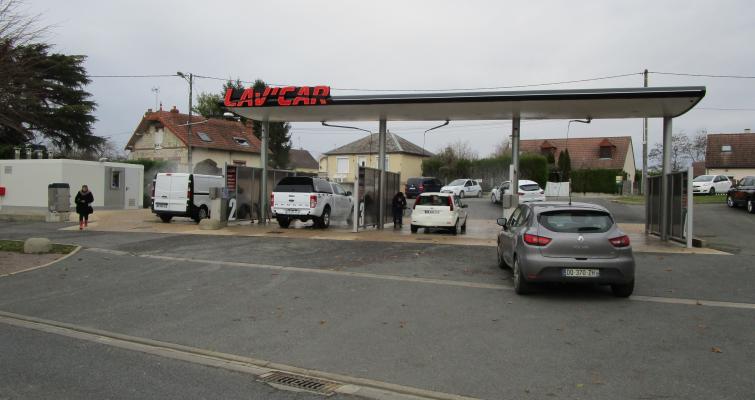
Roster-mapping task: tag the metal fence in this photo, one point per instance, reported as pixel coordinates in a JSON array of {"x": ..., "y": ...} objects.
[
  {"x": 369, "y": 202},
  {"x": 243, "y": 186},
  {"x": 678, "y": 207}
]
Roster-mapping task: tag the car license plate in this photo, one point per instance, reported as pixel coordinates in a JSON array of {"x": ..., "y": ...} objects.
[
  {"x": 432, "y": 211},
  {"x": 580, "y": 272},
  {"x": 161, "y": 204}
]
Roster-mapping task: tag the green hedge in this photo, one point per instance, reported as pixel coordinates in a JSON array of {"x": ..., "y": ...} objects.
[
  {"x": 595, "y": 180},
  {"x": 534, "y": 167}
]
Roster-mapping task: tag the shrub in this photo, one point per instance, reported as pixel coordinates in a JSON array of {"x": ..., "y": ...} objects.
[{"x": 595, "y": 180}]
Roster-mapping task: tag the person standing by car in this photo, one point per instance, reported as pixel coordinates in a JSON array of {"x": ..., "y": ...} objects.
[
  {"x": 398, "y": 205},
  {"x": 84, "y": 199}
]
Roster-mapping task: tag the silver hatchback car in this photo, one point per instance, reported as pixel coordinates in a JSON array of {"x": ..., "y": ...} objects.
[{"x": 562, "y": 242}]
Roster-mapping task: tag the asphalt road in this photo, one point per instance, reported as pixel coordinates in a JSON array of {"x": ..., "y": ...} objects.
[
  {"x": 36, "y": 365},
  {"x": 437, "y": 317}
]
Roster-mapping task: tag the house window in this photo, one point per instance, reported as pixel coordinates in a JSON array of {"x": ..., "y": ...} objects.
[
  {"x": 387, "y": 162},
  {"x": 342, "y": 165},
  {"x": 240, "y": 163},
  {"x": 726, "y": 148},
  {"x": 115, "y": 180},
  {"x": 605, "y": 152},
  {"x": 204, "y": 136},
  {"x": 241, "y": 141}
]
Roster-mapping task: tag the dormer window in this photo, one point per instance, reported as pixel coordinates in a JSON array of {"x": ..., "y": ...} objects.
[
  {"x": 241, "y": 141},
  {"x": 606, "y": 149},
  {"x": 726, "y": 148},
  {"x": 204, "y": 136}
]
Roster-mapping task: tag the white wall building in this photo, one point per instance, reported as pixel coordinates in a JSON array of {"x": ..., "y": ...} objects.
[{"x": 114, "y": 185}]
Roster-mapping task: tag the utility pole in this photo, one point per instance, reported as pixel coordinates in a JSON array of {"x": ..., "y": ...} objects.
[
  {"x": 643, "y": 182},
  {"x": 188, "y": 124},
  {"x": 188, "y": 136}
]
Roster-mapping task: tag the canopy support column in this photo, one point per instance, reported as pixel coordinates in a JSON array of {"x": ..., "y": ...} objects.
[
  {"x": 514, "y": 187},
  {"x": 666, "y": 165},
  {"x": 381, "y": 165},
  {"x": 264, "y": 207}
]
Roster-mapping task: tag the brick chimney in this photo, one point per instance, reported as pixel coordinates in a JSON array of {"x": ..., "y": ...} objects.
[
  {"x": 149, "y": 111},
  {"x": 174, "y": 110}
]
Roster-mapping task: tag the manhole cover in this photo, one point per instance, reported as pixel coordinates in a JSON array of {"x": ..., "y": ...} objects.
[{"x": 300, "y": 382}]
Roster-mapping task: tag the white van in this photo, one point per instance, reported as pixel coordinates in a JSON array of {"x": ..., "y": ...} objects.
[{"x": 183, "y": 195}]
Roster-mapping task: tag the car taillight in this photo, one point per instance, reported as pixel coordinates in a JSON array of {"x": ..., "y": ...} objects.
[
  {"x": 621, "y": 241},
  {"x": 312, "y": 201},
  {"x": 520, "y": 192},
  {"x": 188, "y": 193},
  {"x": 153, "y": 190},
  {"x": 542, "y": 191},
  {"x": 272, "y": 198},
  {"x": 421, "y": 187},
  {"x": 450, "y": 203},
  {"x": 536, "y": 240}
]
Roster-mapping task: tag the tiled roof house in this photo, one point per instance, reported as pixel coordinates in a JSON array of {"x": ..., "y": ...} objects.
[
  {"x": 611, "y": 152},
  {"x": 731, "y": 154},
  {"x": 163, "y": 135}
]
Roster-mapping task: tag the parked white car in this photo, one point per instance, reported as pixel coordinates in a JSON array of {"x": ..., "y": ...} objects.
[
  {"x": 306, "y": 198},
  {"x": 183, "y": 195},
  {"x": 439, "y": 210},
  {"x": 463, "y": 188},
  {"x": 528, "y": 191},
  {"x": 710, "y": 184}
]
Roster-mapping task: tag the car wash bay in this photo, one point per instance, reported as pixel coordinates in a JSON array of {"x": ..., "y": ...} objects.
[{"x": 587, "y": 104}]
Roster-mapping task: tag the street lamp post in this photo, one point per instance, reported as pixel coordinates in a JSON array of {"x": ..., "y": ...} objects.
[{"x": 188, "y": 123}]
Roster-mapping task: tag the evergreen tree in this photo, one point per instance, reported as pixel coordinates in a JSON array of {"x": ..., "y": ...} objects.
[
  {"x": 42, "y": 96},
  {"x": 564, "y": 165}
]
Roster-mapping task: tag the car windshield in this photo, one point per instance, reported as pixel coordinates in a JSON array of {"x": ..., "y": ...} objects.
[
  {"x": 530, "y": 187},
  {"x": 703, "y": 178},
  {"x": 432, "y": 200},
  {"x": 574, "y": 221},
  {"x": 413, "y": 181},
  {"x": 457, "y": 182},
  {"x": 295, "y": 184}
]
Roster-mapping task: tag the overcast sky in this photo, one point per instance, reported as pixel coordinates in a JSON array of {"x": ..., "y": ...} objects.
[{"x": 412, "y": 45}]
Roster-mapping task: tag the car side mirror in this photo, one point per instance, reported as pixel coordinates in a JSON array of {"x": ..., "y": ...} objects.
[
  {"x": 502, "y": 222},
  {"x": 348, "y": 193}
]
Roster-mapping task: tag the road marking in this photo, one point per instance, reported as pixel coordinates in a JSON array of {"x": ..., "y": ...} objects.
[
  {"x": 361, "y": 387},
  {"x": 432, "y": 281},
  {"x": 707, "y": 303}
]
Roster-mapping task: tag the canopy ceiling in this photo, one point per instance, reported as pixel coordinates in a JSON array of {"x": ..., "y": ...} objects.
[{"x": 653, "y": 102}]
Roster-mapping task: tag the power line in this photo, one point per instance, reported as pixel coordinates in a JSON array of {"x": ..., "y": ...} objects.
[
  {"x": 703, "y": 75},
  {"x": 134, "y": 76}
]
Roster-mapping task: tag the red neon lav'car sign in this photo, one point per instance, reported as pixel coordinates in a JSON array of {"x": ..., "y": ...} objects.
[{"x": 277, "y": 96}]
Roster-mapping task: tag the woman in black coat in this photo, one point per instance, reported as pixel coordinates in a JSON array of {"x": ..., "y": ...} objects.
[
  {"x": 398, "y": 205},
  {"x": 84, "y": 199}
]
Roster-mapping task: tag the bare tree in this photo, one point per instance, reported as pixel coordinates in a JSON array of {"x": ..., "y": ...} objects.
[
  {"x": 461, "y": 149},
  {"x": 683, "y": 152},
  {"x": 698, "y": 144},
  {"x": 502, "y": 148}
]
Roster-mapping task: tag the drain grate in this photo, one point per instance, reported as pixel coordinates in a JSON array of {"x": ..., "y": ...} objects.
[{"x": 300, "y": 382}]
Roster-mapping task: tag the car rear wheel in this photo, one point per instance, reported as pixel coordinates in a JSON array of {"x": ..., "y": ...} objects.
[
  {"x": 712, "y": 191},
  {"x": 751, "y": 207},
  {"x": 284, "y": 222},
  {"x": 521, "y": 286},
  {"x": 623, "y": 290},
  {"x": 464, "y": 227},
  {"x": 324, "y": 221},
  {"x": 461, "y": 194},
  {"x": 455, "y": 228},
  {"x": 166, "y": 218},
  {"x": 492, "y": 198},
  {"x": 414, "y": 228},
  {"x": 350, "y": 218},
  {"x": 730, "y": 201}
]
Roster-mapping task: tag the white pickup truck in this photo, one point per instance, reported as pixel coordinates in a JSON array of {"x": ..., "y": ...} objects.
[{"x": 306, "y": 198}]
